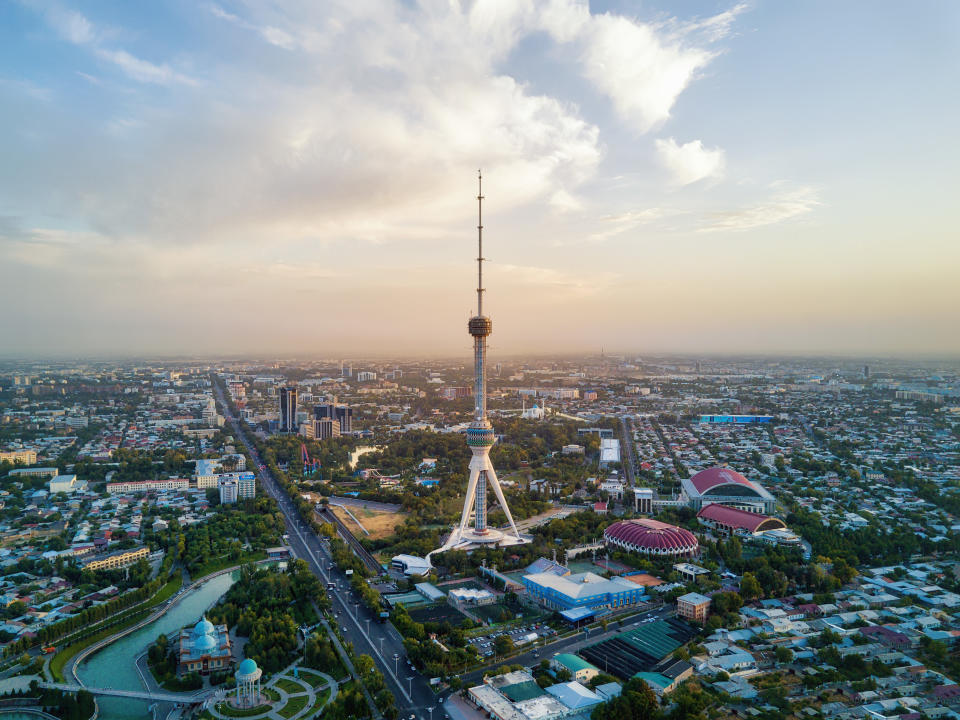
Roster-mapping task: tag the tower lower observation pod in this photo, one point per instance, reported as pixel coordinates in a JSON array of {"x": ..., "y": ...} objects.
[{"x": 480, "y": 437}]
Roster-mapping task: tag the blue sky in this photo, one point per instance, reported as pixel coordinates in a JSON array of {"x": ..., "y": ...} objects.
[{"x": 298, "y": 176}]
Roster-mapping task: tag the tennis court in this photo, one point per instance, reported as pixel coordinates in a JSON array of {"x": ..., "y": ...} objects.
[
  {"x": 441, "y": 612},
  {"x": 613, "y": 566}
]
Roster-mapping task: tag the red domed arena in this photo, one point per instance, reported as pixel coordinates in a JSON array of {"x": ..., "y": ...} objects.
[{"x": 652, "y": 537}]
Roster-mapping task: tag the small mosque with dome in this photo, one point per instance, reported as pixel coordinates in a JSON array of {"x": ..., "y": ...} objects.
[{"x": 204, "y": 648}]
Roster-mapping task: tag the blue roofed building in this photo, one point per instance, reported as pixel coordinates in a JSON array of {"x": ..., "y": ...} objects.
[
  {"x": 574, "y": 695},
  {"x": 204, "y": 647},
  {"x": 583, "y": 590}
]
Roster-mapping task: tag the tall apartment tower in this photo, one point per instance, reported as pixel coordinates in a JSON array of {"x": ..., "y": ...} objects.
[{"x": 288, "y": 409}]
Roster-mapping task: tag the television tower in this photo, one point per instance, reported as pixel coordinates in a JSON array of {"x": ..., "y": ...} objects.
[{"x": 480, "y": 435}]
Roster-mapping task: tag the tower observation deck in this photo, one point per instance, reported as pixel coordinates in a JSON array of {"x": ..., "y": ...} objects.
[{"x": 480, "y": 435}]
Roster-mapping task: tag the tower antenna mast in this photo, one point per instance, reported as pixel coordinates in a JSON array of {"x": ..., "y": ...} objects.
[{"x": 480, "y": 257}]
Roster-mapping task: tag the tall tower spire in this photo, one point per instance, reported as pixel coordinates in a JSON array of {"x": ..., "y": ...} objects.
[
  {"x": 480, "y": 257},
  {"x": 480, "y": 435}
]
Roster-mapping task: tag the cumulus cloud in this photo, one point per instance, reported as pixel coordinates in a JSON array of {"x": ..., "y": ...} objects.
[
  {"x": 691, "y": 161},
  {"x": 642, "y": 67},
  {"x": 781, "y": 206}
]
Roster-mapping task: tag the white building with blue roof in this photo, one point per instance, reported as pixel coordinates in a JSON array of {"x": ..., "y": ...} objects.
[{"x": 204, "y": 647}]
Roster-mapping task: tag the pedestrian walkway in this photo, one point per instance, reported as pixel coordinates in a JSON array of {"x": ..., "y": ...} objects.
[{"x": 297, "y": 697}]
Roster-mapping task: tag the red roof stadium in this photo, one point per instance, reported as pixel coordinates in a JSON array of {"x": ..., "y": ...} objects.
[
  {"x": 651, "y": 537},
  {"x": 716, "y": 476},
  {"x": 730, "y": 518}
]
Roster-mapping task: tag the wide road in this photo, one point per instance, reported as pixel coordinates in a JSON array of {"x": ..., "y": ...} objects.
[
  {"x": 358, "y": 625},
  {"x": 628, "y": 451}
]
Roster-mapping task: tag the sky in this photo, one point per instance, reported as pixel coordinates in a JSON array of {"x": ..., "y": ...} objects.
[{"x": 300, "y": 177}]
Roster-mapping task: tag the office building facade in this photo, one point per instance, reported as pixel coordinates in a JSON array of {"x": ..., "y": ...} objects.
[
  {"x": 343, "y": 414},
  {"x": 288, "y": 409}
]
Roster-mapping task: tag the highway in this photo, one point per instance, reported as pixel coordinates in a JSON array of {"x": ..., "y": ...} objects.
[
  {"x": 358, "y": 625},
  {"x": 628, "y": 450}
]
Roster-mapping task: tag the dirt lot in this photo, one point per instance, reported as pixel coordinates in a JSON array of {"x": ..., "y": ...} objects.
[{"x": 378, "y": 524}]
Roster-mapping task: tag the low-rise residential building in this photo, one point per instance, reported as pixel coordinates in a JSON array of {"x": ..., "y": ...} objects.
[
  {"x": 579, "y": 668},
  {"x": 693, "y": 606},
  {"x": 115, "y": 560},
  {"x": 144, "y": 486}
]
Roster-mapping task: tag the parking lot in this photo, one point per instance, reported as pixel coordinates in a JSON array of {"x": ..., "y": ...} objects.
[{"x": 525, "y": 635}]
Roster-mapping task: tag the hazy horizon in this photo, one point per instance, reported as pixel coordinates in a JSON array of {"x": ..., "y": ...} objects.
[{"x": 279, "y": 179}]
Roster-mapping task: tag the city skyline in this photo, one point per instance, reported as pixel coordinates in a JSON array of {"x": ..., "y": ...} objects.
[{"x": 736, "y": 179}]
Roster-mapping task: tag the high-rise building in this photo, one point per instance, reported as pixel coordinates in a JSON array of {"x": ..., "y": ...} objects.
[
  {"x": 480, "y": 437},
  {"x": 236, "y": 486},
  {"x": 229, "y": 490},
  {"x": 866, "y": 371},
  {"x": 209, "y": 413},
  {"x": 325, "y": 428},
  {"x": 341, "y": 413},
  {"x": 288, "y": 409},
  {"x": 246, "y": 485}
]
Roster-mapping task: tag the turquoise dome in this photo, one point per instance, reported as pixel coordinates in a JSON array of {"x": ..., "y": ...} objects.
[
  {"x": 204, "y": 644},
  {"x": 204, "y": 627},
  {"x": 247, "y": 667}
]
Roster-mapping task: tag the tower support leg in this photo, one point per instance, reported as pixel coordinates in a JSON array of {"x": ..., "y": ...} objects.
[{"x": 492, "y": 476}]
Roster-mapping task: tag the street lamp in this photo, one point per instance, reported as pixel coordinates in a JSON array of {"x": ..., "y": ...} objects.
[
  {"x": 396, "y": 663},
  {"x": 368, "y": 626},
  {"x": 430, "y": 710},
  {"x": 410, "y": 685},
  {"x": 381, "y": 647}
]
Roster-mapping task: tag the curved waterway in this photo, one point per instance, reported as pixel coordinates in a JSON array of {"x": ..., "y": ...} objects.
[{"x": 115, "y": 665}]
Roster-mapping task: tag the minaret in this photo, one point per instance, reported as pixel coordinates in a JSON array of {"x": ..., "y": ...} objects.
[{"x": 480, "y": 435}]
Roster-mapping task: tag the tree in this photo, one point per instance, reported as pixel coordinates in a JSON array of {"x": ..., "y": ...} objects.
[
  {"x": 733, "y": 550},
  {"x": 364, "y": 665},
  {"x": 503, "y": 645},
  {"x": 749, "y": 587},
  {"x": 635, "y": 702},
  {"x": 783, "y": 654}
]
